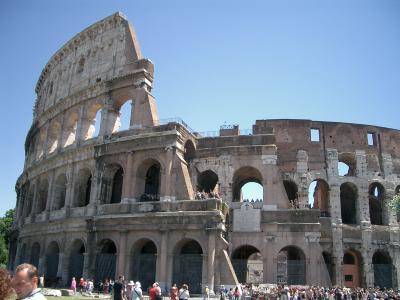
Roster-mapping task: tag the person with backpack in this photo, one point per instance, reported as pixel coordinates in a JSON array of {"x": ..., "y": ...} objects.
[{"x": 184, "y": 292}]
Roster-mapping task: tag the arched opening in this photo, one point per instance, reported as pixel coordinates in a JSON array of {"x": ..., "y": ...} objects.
[
  {"x": 328, "y": 265},
  {"x": 117, "y": 183},
  {"x": 144, "y": 262},
  {"x": 124, "y": 119},
  {"x": 52, "y": 260},
  {"x": 346, "y": 164},
  {"x": 35, "y": 255},
  {"x": 348, "y": 203},
  {"x": 291, "y": 266},
  {"x": 383, "y": 269},
  {"x": 53, "y": 135},
  {"x": 248, "y": 265},
  {"x": 92, "y": 122},
  {"x": 42, "y": 195},
  {"x": 244, "y": 176},
  {"x": 71, "y": 124},
  {"x": 351, "y": 269},
  {"x": 106, "y": 260},
  {"x": 152, "y": 183},
  {"x": 76, "y": 260},
  {"x": 82, "y": 188},
  {"x": 318, "y": 196},
  {"x": 207, "y": 181},
  {"x": 187, "y": 265},
  {"x": 292, "y": 193},
  {"x": 343, "y": 169},
  {"x": 189, "y": 152},
  {"x": 60, "y": 190},
  {"x": 376, "y": 197}
]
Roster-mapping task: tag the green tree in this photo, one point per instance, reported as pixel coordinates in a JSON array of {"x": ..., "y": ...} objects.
[
  {"x": 394, "y": 204},
  {"x": 5, "y": 232}
]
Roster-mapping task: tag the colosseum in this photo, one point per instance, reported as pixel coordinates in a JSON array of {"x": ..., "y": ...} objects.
[{"x": 160, "y": 202}]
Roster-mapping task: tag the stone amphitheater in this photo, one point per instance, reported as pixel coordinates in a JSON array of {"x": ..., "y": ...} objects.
[{"x": 161, "y": 202}]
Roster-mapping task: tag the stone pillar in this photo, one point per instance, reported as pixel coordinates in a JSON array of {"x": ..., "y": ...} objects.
[
  {"x": 80, "y": 135},
  {"x": 162, "y": 255},
  {"x": 35, "y": 198},
  {"x": 144, "y": 110},
  {"x": 211, "y": 260},
  {"x": 46, "y": 139},
  {"x": 387, "y": 164},
  {"x": 337, "y": 234},
  {"x": 302, "y": 171},
  {"x": 69, "y": 193},
  {"x": 363, "y": 205},
  {"x": 121, "y": 253},
  {"x": 85, "y": 273},
  {"x": 366, "y": 234},
  {"x": 166, "y": 176},
  {"x": 270, "y": 261},
  {"x": 126, "y": 186},
  {"x": 109, "y": 117},
  {"x": 60, "y": 143},
  {"x": 62, "y": 270},
  {"x": 50, "y": 192},
  {"x": 314, "y": 259},
  {"x": 361, "y": 164}
]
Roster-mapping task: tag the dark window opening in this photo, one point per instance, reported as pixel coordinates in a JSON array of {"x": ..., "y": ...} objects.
[
  {"x": 371, "y": 137},
  {"x": 87, "y": 191},
  {"x": 348, "y": 198},
  {"x": 348, "y": 277},
  {"x": 152, "y": 184},
  {"x": 291, "y": 192},
  {"x": 117, "y": 186},
  {"x": 207, "y": 181},
  {"x": 348, "y": 259}
]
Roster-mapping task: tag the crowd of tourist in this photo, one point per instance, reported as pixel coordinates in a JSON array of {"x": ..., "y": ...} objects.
[{"x": 281, "y": 292}]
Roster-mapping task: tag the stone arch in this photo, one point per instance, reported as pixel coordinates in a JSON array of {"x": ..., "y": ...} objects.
[
  {"x": 292, "y": 192},
  {"x": 35, "y": 254},
  {"x": 247, "y": 263},
  {"x": 112, "y": 183},
  {"x": 121, "y": 106},
  {"x": 82, "y": 188},
  {"x": 376, "y": 197},
  {"x": 189, "y": 151},
  {"x": 349, "y": 160},
  {"x": 52, "y": 261},
  {"x": 348, "y": 203},
  {"x": 60, "y": 190},
  {"x": 351, "y": 268},
  {"x": 92, "y": 120},
  {"x": 144, "y": 260},
  {"x": 42, "y": 193},
  {"x": 76, "y": 259},
  {"x": 106, "y": 260},
  {"x": 291, "y": 266},
  {"x": 148, "y": 180},
  {"x": 207, "y": 181},
  {"x": 243, "y": 176},
  {"x": 187, "y": 264},
  {"x": 70, "y": 127},
  {"x": 383, "y": 269},
  {"x": 319, "y": 196},
  {"x": 53, "y": 136},
  {"x": 397, "y": 190}
]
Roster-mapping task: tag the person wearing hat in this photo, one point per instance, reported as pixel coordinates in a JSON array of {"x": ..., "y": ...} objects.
[
  {"x": 137, "y": 293},
  {"x": 129, "y": 290}
]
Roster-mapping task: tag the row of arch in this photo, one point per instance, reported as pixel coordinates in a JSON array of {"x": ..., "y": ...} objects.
[
  {"x": 291, "y": 266},
  {"x": 188, "y": 259},
  {"x": 187, "y": 264},
  {"x": 65, "y": 129},
  {"x": 112, "y": 178},
  {"x": 148, "y": 180}
]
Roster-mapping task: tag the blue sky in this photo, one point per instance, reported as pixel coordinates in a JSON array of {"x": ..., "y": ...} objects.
[{"x": 218, "y": 61}]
